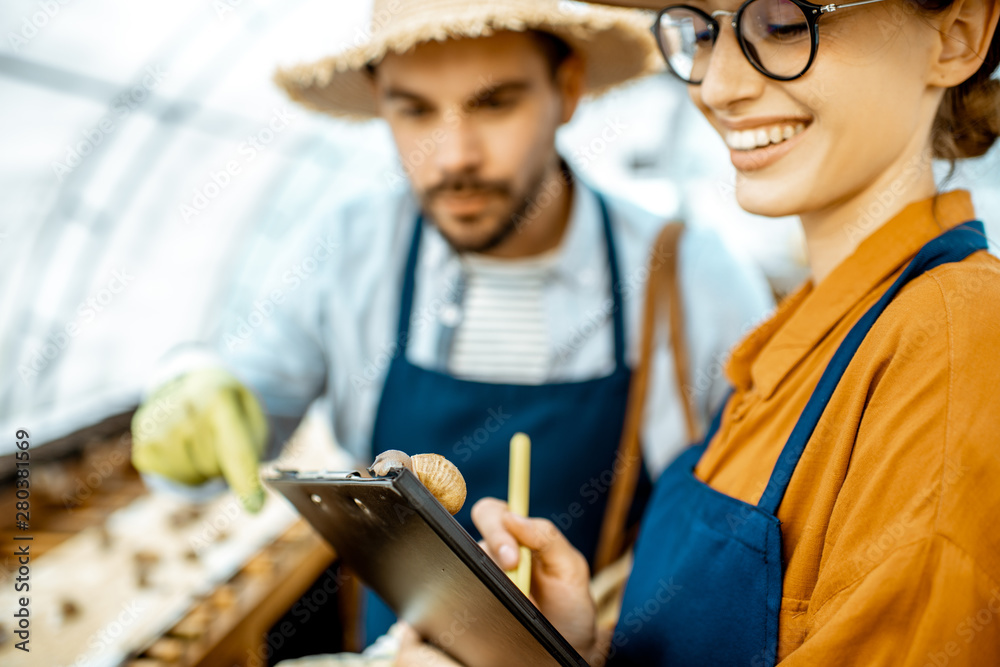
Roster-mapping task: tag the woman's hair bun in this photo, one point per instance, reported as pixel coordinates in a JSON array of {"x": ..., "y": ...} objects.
[{"x": 968, "y": 122}]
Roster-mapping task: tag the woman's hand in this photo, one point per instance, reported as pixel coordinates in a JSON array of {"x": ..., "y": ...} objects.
[
  {"x": 560, "y": 577},
  {"x": 560, "y": 583},
  {"x": 413, "y": 652}
]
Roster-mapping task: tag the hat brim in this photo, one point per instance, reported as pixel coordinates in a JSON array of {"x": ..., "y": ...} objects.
[
  {"x": 615, "y": 45},
  {"x": 634, "y": 4}
]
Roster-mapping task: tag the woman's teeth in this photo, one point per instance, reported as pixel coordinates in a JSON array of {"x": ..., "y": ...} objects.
[{"x": 748, "y": 140}]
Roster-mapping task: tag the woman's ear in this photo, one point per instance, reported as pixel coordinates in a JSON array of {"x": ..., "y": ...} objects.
[
  {"x": 966, "y": 30},
  {"x": 570, "y": 83}
]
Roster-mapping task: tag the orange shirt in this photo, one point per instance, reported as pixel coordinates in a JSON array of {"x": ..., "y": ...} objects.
[{"x": 891, "y": 521}]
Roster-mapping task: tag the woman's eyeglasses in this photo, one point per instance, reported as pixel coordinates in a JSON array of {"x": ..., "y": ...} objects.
[{"x": 778, "y": 37}]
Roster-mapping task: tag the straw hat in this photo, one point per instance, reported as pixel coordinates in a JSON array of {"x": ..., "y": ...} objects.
[
  {"x": 637, "y": 4},
  {"x": 615, "y": 44}
]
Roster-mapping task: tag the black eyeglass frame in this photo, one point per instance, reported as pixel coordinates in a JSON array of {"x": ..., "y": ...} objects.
[{"x": 809, "y": 10}]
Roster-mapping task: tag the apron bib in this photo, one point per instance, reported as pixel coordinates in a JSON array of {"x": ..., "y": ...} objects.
[
  {"x": 707, "y": 581},
  {"x": 575, "y": 428}
]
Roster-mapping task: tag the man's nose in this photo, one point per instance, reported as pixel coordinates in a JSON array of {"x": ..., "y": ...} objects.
[{"x": 460, "y": 147}]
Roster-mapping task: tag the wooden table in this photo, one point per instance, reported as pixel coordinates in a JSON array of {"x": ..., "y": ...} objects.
[{"x": 120, "y": 576}]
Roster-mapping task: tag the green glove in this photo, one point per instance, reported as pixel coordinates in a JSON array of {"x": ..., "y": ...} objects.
[{"x": 200, "y": 426}]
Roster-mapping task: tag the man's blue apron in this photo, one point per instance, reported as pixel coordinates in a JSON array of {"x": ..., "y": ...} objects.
[
  {"x": 575, "y": 428},
  {"x": 706, "y": 585}
]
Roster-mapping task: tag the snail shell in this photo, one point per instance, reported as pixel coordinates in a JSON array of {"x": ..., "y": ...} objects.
[{"x": 441, "y": 477}]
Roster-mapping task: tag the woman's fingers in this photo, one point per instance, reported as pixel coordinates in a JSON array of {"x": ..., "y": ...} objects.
[
  {"x": 413, "y": 652},
  {"x": 501, "y": 545},
  {"x": 560, "y": 574},
  {"x": 555, "y": 555},
  {"x": 503, "y": 532}
]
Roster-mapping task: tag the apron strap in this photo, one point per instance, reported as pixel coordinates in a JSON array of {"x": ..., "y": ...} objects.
[
  {"x": 616, "y": 284},
  {"x": 671, "y": 279},
  {"x": 406, "y": 299},
  {"x": 953, "y": 246}
]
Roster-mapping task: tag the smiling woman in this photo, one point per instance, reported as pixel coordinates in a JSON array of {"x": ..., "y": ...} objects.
[
  {"x": 872, "y": 64},
  {"x": 840, "y": 509}
]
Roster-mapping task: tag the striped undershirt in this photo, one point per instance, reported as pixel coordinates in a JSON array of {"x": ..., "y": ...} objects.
[{"x": 503, "y": 336}]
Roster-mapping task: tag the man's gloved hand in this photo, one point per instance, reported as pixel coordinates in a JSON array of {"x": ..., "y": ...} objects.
[{"x": 203, "y": 425}]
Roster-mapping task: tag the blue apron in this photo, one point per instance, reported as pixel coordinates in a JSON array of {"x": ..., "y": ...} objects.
[
  {"x": 706, "y": 585},
  {"x": 575, "y": 428}
]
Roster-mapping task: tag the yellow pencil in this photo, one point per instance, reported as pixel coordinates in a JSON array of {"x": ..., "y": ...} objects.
[{"x": 518, "y": 488}]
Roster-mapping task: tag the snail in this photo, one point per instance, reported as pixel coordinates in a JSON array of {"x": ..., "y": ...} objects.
[
  {"x": 144, "y": 563},
  {"x": 441, "y": 477},
  {"x": 69, "y": 610}
]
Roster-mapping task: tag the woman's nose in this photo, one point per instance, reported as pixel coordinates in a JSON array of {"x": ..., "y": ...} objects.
[{"x": 730, "y": 77}]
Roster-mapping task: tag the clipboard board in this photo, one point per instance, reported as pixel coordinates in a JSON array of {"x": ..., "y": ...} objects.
[{"x": 406, "y": 547}]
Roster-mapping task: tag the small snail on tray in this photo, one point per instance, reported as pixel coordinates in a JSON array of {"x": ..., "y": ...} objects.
[{"x": 441, "y": 477}]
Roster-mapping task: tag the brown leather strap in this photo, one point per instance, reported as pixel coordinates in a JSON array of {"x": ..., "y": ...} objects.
[
  {"x": 671, "y": 289},
  {"x": 662, "y": 289}
]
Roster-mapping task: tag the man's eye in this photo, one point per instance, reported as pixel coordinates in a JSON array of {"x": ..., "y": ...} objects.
[
  {"x": 497, "y": 103},
  {"x": 414, "y": 112}
]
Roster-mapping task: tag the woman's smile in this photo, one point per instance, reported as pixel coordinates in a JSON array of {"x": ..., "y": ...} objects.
[
  {"x": 758, "y": 143},
  {"x": 763, "y": 136}
]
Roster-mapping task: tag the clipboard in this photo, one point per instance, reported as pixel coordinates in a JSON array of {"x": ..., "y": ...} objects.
[{"x": 405, "y": 546}]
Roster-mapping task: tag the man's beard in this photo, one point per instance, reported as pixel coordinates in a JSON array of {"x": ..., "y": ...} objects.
[{"x": 510, "y": 220}]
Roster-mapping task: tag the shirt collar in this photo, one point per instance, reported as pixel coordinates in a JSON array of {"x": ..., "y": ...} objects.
[
  {"x": 582, "y": 249},
  {"x": 805, "y": 318}
]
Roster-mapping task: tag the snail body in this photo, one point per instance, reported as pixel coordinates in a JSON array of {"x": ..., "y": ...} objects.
[
  {"x": 390, "y": 460},
  {"x": 441, "y": 477}
]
